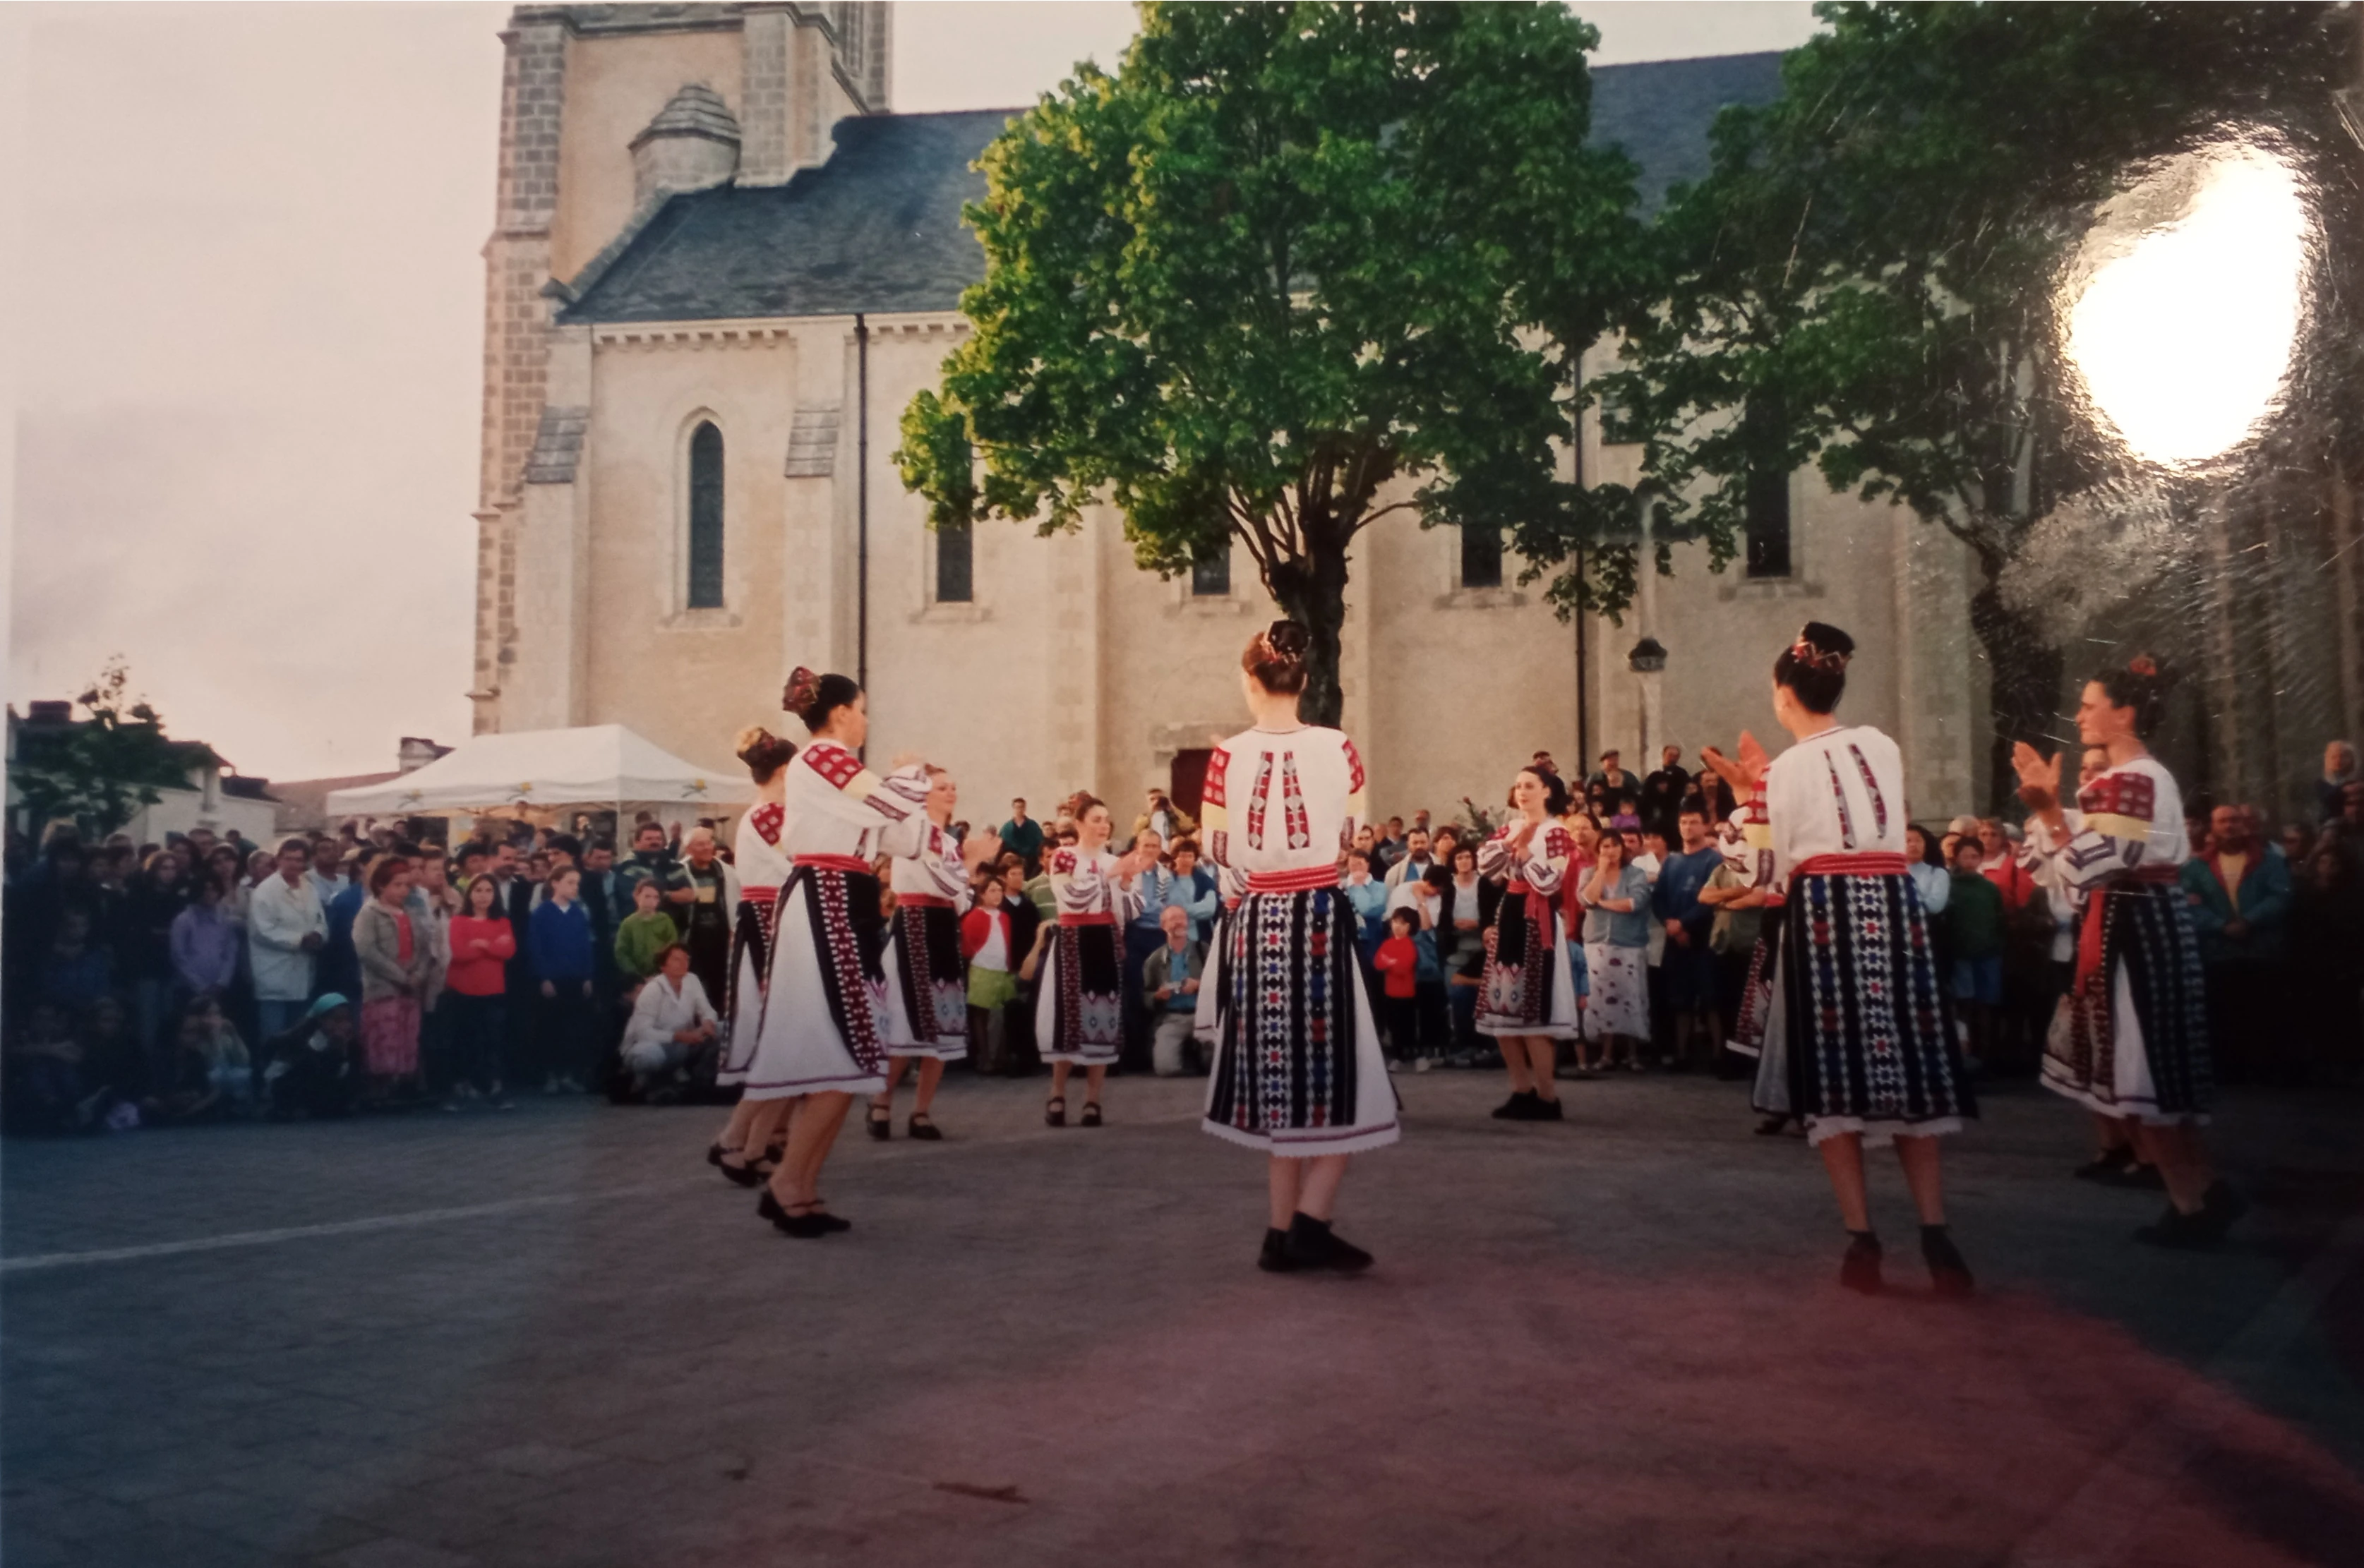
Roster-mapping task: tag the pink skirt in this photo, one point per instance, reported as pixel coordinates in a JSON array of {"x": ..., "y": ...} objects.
[{"x": 390, "y": 1036}]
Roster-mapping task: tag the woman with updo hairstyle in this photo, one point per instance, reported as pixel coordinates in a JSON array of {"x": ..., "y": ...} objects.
[
  {"x": 763, "y": 868},
  {"x": 2130, "y": 1039},
  {"x": 1297, "y": 1070},
  {"x": 1526, "y": 996},
  {"x": 818, "y": 1038},
  {"x": 1858, "y": 1040},
  {"x": 1079, "y": 1009}
]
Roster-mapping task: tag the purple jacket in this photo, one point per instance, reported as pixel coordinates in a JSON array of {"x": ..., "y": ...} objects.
[{"x": 205, "y": 947}]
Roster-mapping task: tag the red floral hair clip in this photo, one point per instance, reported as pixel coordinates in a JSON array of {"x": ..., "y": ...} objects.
[
  {"x": 2142, "y": 664},
  {"x": 1814, "y": 658}
]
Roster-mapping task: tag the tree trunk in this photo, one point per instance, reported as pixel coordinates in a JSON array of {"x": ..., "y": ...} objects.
[
  {"x": 2026, "y": 672},
  {"x": 1311, "y": 591}
]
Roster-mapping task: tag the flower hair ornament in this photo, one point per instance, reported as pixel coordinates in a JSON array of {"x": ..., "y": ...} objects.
[
  {"x": 2143, "y": 664},
  {"x": 1287, "y": 639},
  {"x": 803, "y": 686},
  {"x": 1814, "y": 658}
]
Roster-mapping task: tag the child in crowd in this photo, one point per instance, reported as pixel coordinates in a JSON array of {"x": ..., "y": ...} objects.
[
  {"x": 1398, "y": 961},
  {"x": 1974, "y": 915},
  {"x": 643, "y": 936},
  {"x": 987, "y": 942},
  {"x": 560, "y": 943}
]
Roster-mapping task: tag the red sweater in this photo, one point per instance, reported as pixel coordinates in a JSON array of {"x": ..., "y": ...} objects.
[
  {"x": 976, "y": 929},
  {"x": 1399, "y": 960},
  {"x": 484, "y": 975}
]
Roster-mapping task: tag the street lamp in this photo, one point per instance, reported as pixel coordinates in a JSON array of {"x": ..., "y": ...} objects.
[{"x": 1647, "y": 660}]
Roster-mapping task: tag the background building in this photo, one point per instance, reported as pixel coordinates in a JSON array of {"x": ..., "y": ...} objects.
[{"x": 721, "y": 268}]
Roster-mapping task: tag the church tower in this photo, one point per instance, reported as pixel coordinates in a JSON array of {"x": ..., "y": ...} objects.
[{"x": 607, "y": 111}]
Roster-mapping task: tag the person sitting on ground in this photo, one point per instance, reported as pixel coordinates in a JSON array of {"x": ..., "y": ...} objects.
[
  {"x": 641, "y": 940},
  {"x": 1169, "y": 983},
  {"x": 45, "y": 1084},
  {"x": 210, "y": 1074},
  {"x": 672, "y": 1023},
  {"x": 314, "y": 1069}
]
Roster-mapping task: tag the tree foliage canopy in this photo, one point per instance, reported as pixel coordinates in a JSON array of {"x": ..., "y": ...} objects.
[
  {"x": 1870, "y": 277},
  {"x": 99, "y": 773},
  {"x": 1285, "y": 255}
]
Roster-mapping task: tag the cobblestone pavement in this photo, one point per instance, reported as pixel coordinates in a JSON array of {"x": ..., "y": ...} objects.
[{"x": 558, "y": 1338}]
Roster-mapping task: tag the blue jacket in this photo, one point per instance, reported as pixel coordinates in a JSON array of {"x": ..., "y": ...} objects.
[
  {"x": 1370, "y": 902},
  {"x": 339, "y": 968},
  {"x": 2265, "y": 903},
  {"x": 560, "y": 941}
]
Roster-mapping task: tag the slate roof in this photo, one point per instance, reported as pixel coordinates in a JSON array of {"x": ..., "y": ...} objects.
[{"x": 877, "y": 227}]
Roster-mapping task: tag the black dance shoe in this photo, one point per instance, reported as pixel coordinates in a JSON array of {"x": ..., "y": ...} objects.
[
  {"x": 804, "y": 1227},
  {"x": 880, "y": 1119},
  {"x": 1313, "y": 1245},
  {"x": 1859, "y": 1270},
  {"x": 1517, "y": 1107},
  {"x": 2183, "y": 1232},
  {"x": 1545, "y": 1110},
  {"x": 826, "y": 1220},
  {"x": 1275, "y": 1258},
  {"x": 924, "y": 1128},
  {"x": 1947, "y": 1271},
  {"x": 744, "y": 1175},
  {"x": 2108, "y": 1163}
]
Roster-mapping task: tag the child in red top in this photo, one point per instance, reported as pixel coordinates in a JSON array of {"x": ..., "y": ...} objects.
[
  {"x": 477, "y": 996},
  {"x": 1397, "y": 960}
]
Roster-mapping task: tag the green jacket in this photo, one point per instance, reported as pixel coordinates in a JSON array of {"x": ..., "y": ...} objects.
[{"x": 638, "y": 940}]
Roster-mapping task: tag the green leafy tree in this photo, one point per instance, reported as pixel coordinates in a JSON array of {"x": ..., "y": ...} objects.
[
  {"x": 99, "y": 773},
  {"x": 1293, "y": 268},
  {"x": 1870, "y": 277}
]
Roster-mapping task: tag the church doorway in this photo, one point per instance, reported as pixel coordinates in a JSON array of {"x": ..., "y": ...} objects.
[{"x": 1189, "y": 785}]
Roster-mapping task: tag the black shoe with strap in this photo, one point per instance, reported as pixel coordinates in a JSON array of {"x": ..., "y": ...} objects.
[
  {"x": 804, "y": 1225},
  {"x": 880, "y": 1120},
  {"x": 1091, "y": 1116},
  {"x": 1520, "y": 1106},
  {"x": 1948, "y": 1272},
  {"x": 1275, "y": 1258},
  {"x": 1054, "y": 1113},
  {"x": 1311, "y": 1244},
  {"x": 923, "y": 1128},
  {"x": 1859, "y": 1270}
]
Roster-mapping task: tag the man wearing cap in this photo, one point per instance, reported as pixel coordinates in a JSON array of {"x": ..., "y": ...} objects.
[{"x": 1620, "y": 790}]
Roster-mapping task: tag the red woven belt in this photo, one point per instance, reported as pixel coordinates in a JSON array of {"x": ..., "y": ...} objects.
[
  {"x": 923, "y": 901},
  {"x": 771, "y": 893},
  {"x": 2148, "y": 876},
  {"x": 854, "y": 863},
  {"x": 1850, "y": 865},
  {"x": 1066, "y": 919},
  {"x": 1310, "y": 879}
]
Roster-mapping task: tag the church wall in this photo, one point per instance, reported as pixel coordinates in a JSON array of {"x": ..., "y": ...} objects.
[
  {"x": 615, "y": 86},
  {"x": 686, "y": 679},
  {"x": 1466, "y": 683}
]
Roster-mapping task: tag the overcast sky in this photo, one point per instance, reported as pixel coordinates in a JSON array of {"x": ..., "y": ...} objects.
[{"x": 247, "y": 316}]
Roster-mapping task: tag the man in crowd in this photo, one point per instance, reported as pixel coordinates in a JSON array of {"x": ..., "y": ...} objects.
[
  {"x": 705, "y": 917},
  {"x": 1416, "y": 857},
  {"x": 651, "y": 859},
  {"x": 2338, "y": 773},
  {"x": 2240, "y": 895},
  {"x": 1663, "y": 792},
  {"x": 1616, "y": 786},
  {"x": 1022, "y": 836},
  {"x": 1170, "y": 986},
  {"x": 1389, "y": 848},
  {"x": 326, "y": 873},
  {"x": 1688, "y": 966},
  {"x": 285, "y": 929}
]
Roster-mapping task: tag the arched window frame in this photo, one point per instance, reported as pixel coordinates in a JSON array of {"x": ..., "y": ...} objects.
[{"x": 684, "y": 610}]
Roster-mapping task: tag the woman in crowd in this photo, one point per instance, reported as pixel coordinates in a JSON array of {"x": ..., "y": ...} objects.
[
  {"x": 395, "y": 961},
  {"x": 1079, "y": 1010},
  {"x": 1464, "y": 909},
  {"x": 1859, "y": 1042},
  {"x": 926, "y": 981},
  {"x": 986, "y": 944},
  {"x": 1930, "y": 878},
  {"x": 475, "y": 993},
  {"x": 1616, "y": 901},
  {"x": 1297, "y": 1070},
  {"x": 671, "y": 1022},
  {"x": 817, "y": 1042},
  {"x": 1526, "y": 1000},
  {"x": 2130, "y": 1041},
  {"x": 205, "y": 944}
]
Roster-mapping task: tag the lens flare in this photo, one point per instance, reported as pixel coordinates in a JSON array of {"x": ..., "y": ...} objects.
[{"x": 2184, "y": 328}]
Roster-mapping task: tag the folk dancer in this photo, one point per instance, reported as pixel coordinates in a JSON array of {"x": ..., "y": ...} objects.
[
  {"x": 927, "y": 976},
  {"x": 1079, "y": 1008},
  {"x": 763, "y": 868},
  {"x": 1857, "y": 1041},
  {"x": 819, "y": 1043},
  {"x": 2130, "y": 1041},
  {"x": 1298, "y": 1069}
]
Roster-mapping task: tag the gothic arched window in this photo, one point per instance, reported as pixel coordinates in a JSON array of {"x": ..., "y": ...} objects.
[{"x": 706, "y": 518}]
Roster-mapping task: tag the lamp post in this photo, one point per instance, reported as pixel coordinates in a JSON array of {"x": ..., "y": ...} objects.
[{"x": 1648, "y": 662}]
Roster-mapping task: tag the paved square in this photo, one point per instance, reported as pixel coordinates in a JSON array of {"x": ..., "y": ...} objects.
[{"x": 559, "y": 1339}]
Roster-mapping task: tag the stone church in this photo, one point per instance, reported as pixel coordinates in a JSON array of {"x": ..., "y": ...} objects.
[{"x": 721, "y": 267}]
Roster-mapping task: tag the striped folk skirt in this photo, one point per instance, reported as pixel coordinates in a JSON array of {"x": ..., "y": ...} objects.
[
  {"x": 825, "y": 991},
  {"x": 1756, "y": 992},
  {"x": 1859, "y": 1038},
  {"x": 927, "y": 984},
  {"x": 1298, "y": 1068},
  {"x": 2131, "y": 1037},
  {"x": 742, "y": 1006},
  {"x": 1079, "y": 1008},
  {"x": 1526, "y": 989}
]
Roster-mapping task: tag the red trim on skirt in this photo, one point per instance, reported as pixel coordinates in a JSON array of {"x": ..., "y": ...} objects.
[
  {"x": 1310, "y": 879},
  {"x": 1867, "y": 864},
  {"x": 852, "y": 863}
]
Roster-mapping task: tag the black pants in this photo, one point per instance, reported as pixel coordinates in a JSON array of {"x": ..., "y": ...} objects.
[
  {"x": 568, "y": 1035},
  {"x": 475, "y": 1031},
  {"x": 1401, "y": 1016}
]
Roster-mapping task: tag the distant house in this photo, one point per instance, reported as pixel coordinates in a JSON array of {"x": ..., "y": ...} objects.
[
  {"x": 304, "y": 802},
  {"x": 215, "y": 796}
]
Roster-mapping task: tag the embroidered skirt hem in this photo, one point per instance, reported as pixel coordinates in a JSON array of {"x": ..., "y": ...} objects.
[
  {"x": 1079, "y": 1010},
  {"x": 1878, "y": 1134},
  {"x": 1308, "y": 1144},
  {"x": 819, "y": 1030}
]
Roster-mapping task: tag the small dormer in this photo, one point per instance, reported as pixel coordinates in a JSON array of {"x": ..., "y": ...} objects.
[{"x": 692, "y": 145}]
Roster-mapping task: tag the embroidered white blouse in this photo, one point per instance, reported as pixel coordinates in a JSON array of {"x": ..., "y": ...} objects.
[
  {"x": 1282, "y": 800},
  {"x": 1542, "y": 865},
  {"x": 755, "y": 852},
  {"x": 1085, "y": 884},
  {"x": 1838, "y": 793},
  {"x": 2129, "y": 819},
  {"x": 937, "y": 869},
  {"x": 832, "y": 805}
]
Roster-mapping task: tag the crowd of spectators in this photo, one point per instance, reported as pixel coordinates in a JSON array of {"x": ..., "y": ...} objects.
[{"x": 208, "y": 977}]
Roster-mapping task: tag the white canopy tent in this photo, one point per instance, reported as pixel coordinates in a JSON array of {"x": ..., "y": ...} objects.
[{"x": 603, "y": 766}]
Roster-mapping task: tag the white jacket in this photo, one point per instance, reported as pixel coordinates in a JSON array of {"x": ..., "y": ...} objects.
[
  {"x": 661, "y": 1012},
  {"x": 278, "y": 919}
]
